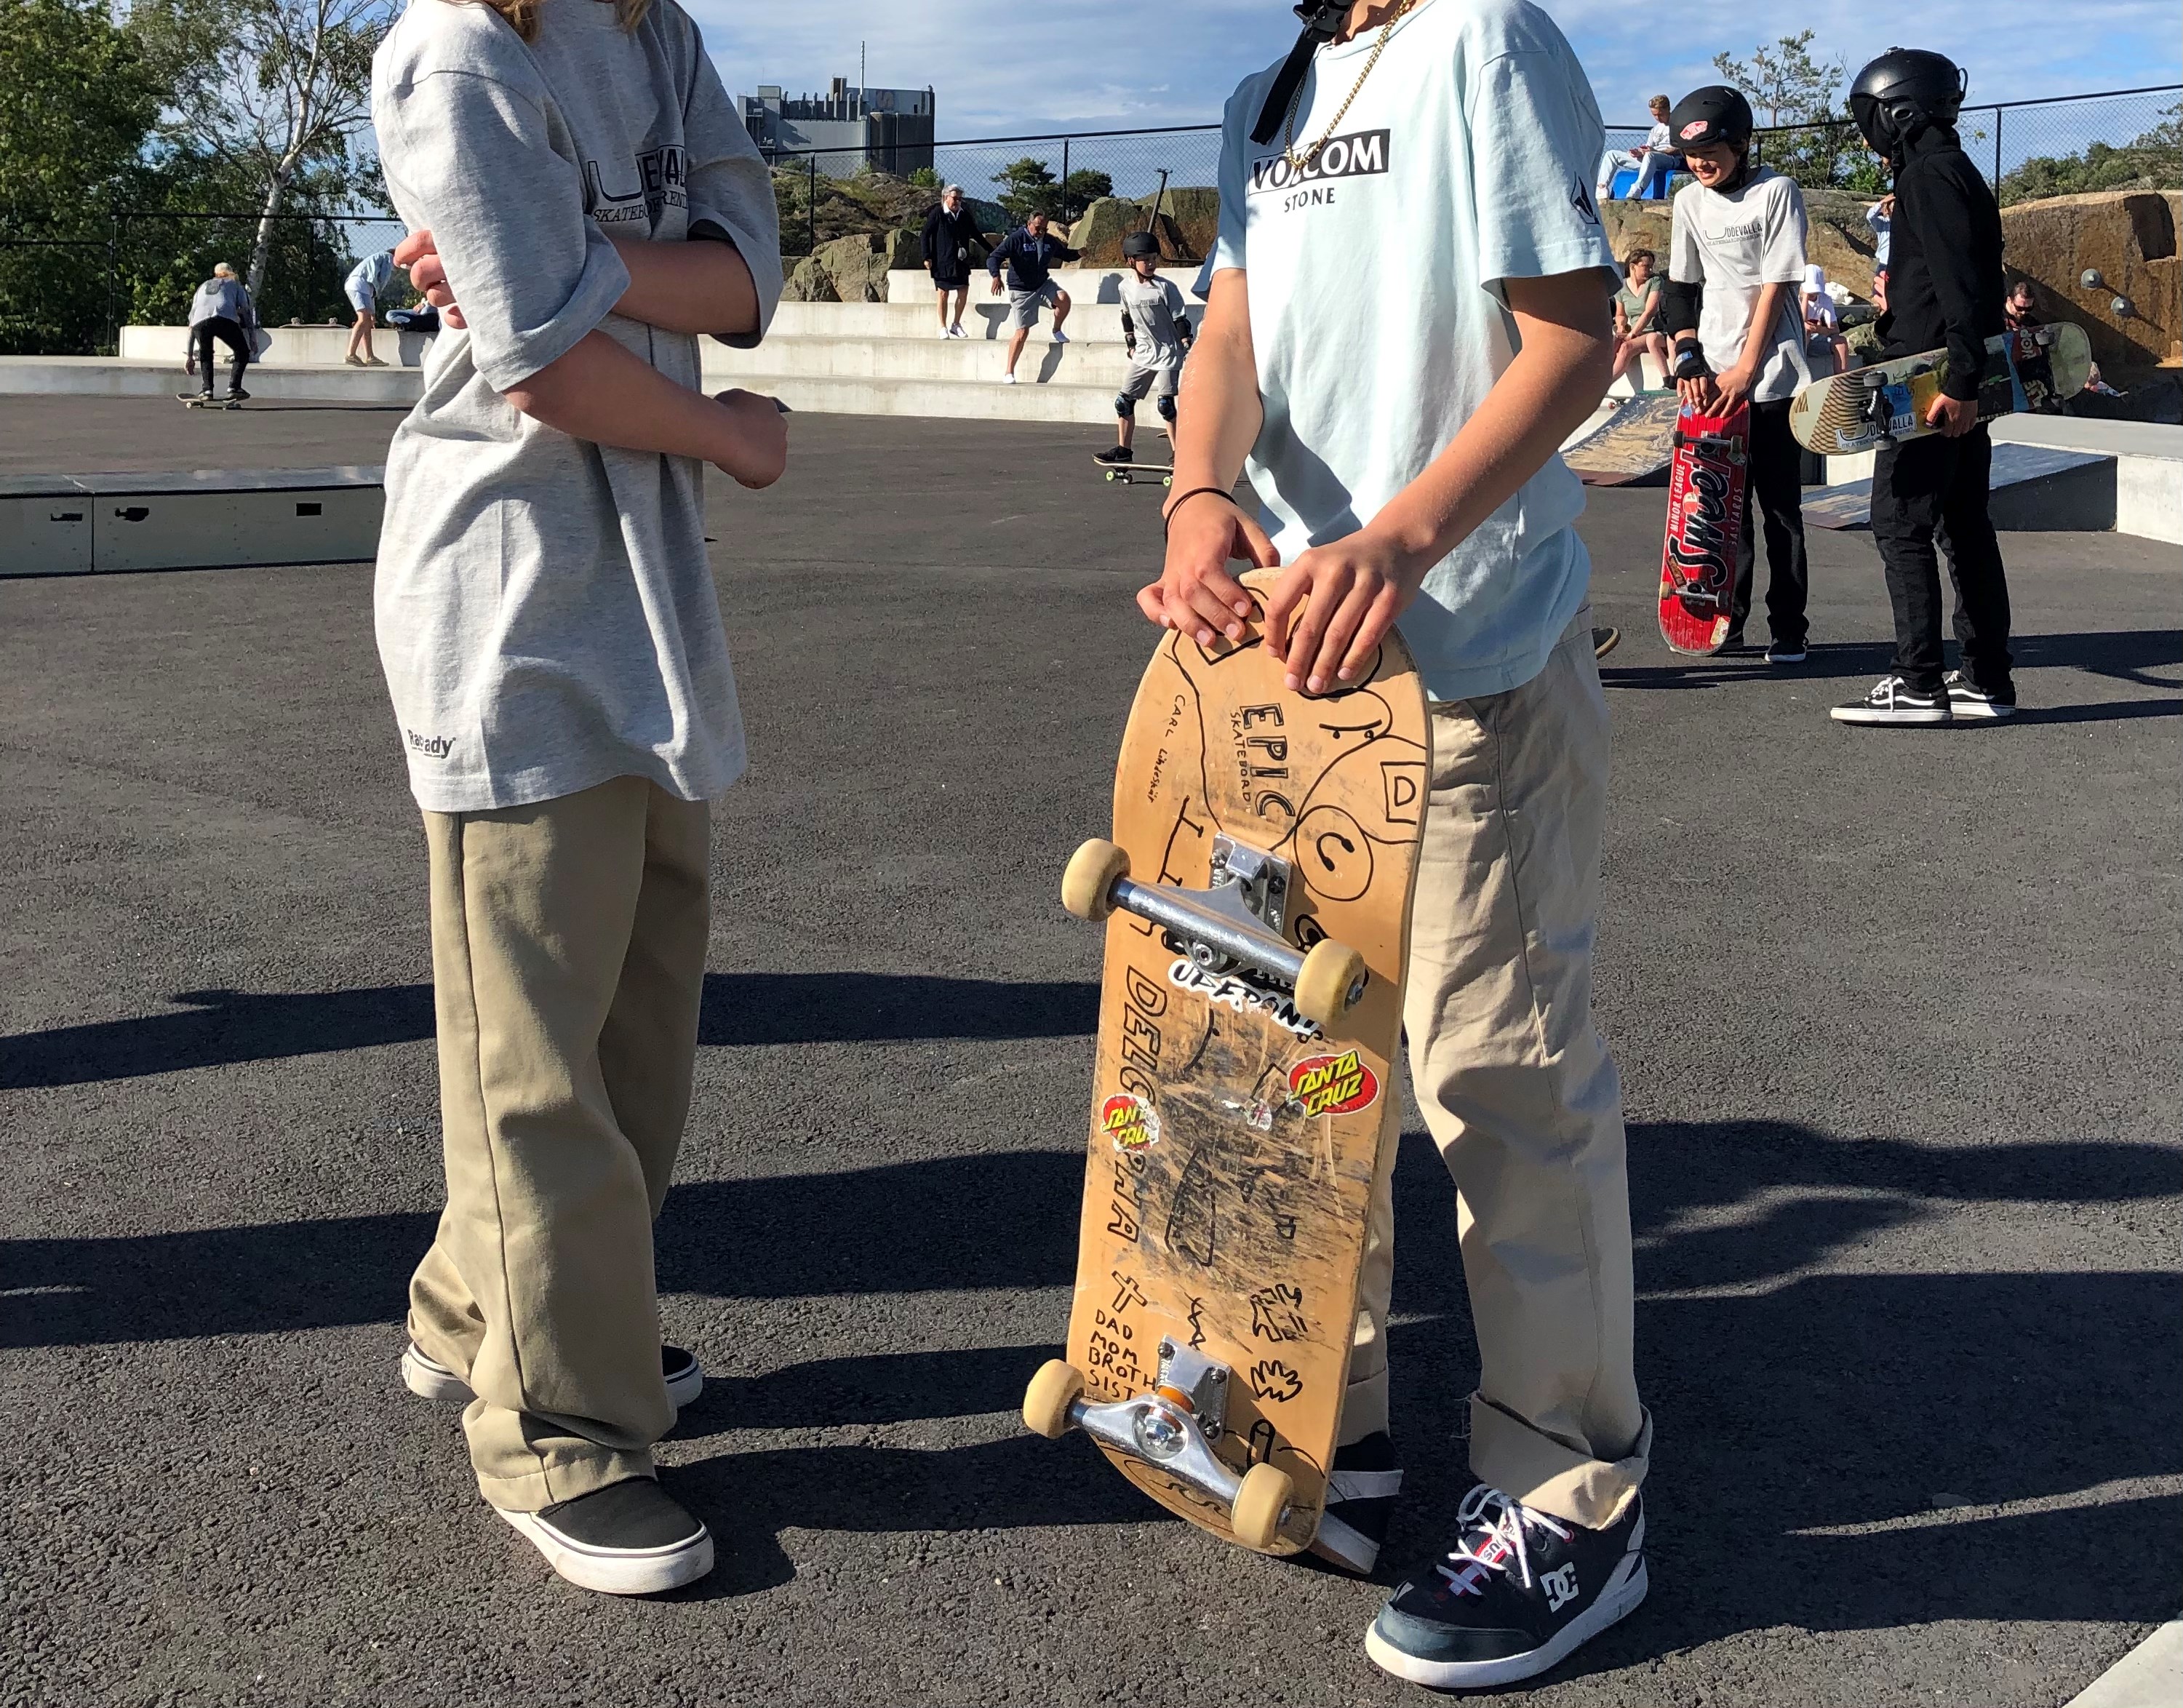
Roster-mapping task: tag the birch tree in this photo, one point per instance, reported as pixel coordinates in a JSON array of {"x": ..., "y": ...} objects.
[{"x": 270, "y": 88}]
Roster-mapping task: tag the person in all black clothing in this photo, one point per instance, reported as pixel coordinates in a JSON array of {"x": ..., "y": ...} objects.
[
  {"x": 951, "y": 233},
  {"x": 1944, "y": 291}
]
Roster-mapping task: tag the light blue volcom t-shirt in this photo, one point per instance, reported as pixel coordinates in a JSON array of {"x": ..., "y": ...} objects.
[{"x": 1467, "y": 157}]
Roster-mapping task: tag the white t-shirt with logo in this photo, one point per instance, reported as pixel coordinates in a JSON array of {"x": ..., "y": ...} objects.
[
  {"x": 1466, "y": 158},
  {"x": 1734, "y": 245}
]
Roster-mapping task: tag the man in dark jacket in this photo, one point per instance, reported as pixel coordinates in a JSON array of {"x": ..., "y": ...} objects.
[
  {"x": 1029, "y": 253},
  {"x": 1944, "y": 291},
  {"x": 951, "y": 233}
]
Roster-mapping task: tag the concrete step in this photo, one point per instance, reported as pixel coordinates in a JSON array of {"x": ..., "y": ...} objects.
[
  {"x": 113, "y": 377},
  {"x": 286, "y": 346},
  {"x": 927, "y": 358},
  {"x": 960, "y": 400}
]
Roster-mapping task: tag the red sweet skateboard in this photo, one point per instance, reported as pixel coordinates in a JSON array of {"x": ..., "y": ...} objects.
[{"x": 1706, "y": 483}]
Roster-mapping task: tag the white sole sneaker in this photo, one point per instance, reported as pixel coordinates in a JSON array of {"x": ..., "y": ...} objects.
[
  {"x": 617, "y": 1570},
  {"x": 1907, "y": 715},
  {"x": 1007, "y": 379},
  {"x": 1616, "y": 1603}
]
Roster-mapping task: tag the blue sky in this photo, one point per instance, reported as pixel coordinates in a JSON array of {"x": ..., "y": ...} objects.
[{"x": 1004, "y": 67}]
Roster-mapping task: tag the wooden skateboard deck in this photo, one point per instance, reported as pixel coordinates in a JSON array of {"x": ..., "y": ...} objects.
[
  {"x": 1707, "y": 480},
  {"x": 1233, "y": 1140},
  {"x": 1135, "y": 474},
  {"x": 2034, "y": 370}
]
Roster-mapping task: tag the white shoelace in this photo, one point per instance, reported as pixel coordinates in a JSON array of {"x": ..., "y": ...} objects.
[{"x": 1489, "y": 1543}]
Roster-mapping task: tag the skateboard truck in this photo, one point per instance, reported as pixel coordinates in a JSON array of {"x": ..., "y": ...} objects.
[
  {"x": 1171, "y": 1428},
  {"x": 1239, "y": 922}
]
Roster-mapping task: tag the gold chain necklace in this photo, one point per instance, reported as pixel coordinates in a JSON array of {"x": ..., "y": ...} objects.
[{"x": 1304, "y": 162}]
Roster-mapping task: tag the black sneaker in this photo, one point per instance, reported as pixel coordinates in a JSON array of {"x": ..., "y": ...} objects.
[
  {"x": 1786, "y": 653},
  {"x": 1360, "y": 1501},
  {"x": 1967, "y": 699},
  {"x": 236, "y": 395},
  {"x": 1519, "y": 1591},
  {"x": 1894, "y": 701},
  {"x": 426, "y": 1377},
  {"x": 630, "y": 1538},
  {"x": 1114, "y": 454}
]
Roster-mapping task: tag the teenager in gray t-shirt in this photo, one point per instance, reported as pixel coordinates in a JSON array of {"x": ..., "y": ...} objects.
[{"x": 583, "y": 204}]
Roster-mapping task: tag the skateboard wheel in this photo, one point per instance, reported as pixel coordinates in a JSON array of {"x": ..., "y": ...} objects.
[
  {"x": 1087, "y": 885},
  {"x": 1256, "y": 1516},
  {"x": 1056, "y": 1387},
  {"x": 1328, "y": 982}
]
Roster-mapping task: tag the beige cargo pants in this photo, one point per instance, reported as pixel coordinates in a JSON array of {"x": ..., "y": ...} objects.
[
  {"x": 1521, "y": 1096},
  {"x": 568, "y": 959}
]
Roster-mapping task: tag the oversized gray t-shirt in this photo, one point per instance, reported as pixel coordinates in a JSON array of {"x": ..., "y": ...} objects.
[
  {"x": 1154, "y": 307},
  {"x": 545, "y": 608}
]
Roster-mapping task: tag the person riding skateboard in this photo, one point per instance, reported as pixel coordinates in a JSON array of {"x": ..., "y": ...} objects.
[
  {"x": 551, "y": 642},
  {"x": 1398, "y": 427},
  {"x": 1156, "y": 330},
  {"x": 1735, "y": 263},
  {"x": 1944, "y": 291},
  {"x": 221, "y": 311},
  {"x": 1028, "y": 255}
]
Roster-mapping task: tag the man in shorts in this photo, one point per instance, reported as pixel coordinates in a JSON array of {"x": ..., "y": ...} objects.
[
  {"x": 366, "y": 284},
  {"x": 1157, "y": 333},
  {"x": 1029, "y": 254}
]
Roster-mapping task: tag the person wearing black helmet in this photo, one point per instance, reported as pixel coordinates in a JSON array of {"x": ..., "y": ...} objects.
[
  {"x": 1736, "y": 261},
  {"x": 1944, "y": 291},
  {"x": 1157, "y": 334}
]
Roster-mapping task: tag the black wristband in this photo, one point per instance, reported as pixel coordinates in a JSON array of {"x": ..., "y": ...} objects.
[
  {"x": 1690, "y": 363},
  {"x": 1167, "y": 516}
]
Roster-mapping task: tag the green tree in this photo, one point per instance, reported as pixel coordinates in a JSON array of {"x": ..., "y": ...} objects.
[
  {"x": 1793, "y": 95},
  {"x": 1027, "y": 187},
  {"x": 2154, "y": 162},
  {"x": 272, "y": 92},
  {"x": 76, "y": 104}
]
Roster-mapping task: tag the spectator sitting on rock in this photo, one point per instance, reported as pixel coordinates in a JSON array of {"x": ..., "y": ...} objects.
[
  {"x": 1029, "y": 253},
  {"x": 1638, "y": 318},
  {"x": 951, "y": 232},
  {"x": 1823, "y": 338},
  {"x": 1652, "y": 158}
]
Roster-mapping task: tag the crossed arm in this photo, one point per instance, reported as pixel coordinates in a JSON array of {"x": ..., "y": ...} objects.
[
  {"x": 1336, "y": 602},
  {"x": 600, "y": 392}
]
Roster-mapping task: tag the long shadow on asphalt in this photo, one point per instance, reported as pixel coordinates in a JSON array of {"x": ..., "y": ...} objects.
[
  {"x": 2127, "y": 655},
  {"x": 222, "y": 1027}
]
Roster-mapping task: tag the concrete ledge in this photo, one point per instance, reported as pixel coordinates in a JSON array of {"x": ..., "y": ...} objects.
[
  {"x": 2148, "y": 465},
  {"x": 285, "y": 347},
  {"x": 189, "y": 519},
  {"x": 115, "y": 377},
  {"x": 960, "y": 400},
  {"x": 2151, "y": 1676}
]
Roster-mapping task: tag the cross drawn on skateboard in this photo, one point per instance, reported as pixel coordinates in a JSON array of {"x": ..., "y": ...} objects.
[
  {"x": 1256, "y": 898},
  {"x": 1706, "y": 477}
]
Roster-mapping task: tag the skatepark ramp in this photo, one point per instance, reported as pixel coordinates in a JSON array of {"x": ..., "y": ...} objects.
[
  {"x": 190, "y": 519},
  {"x": 1627, "y": 445},
  {"x": 2036, "y": 488}
]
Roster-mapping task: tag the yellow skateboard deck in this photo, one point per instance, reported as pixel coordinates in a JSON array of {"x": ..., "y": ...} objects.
[{"x": 1257, "y": 896}]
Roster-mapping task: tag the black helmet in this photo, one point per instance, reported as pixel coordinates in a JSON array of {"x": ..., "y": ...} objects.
[
  {"x": 1141, "y": 245},
  {"x": 1903, "y": 92},
  {"x": 1715, "y": 114}
]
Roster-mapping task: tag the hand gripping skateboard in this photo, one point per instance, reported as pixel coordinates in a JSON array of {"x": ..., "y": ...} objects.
[
  {"x": 1257, "y": 896},
  {"x": 1705, "y": 482},
  {"x": 2030, "y": 371}
]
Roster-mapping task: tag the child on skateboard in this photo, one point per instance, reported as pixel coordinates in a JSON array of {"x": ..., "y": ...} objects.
[
  {"x": 583, "y": 201},
  {"x": 1157, "y": 334},
  {"x": 1944, "y": 291},
  {"x": 1399, "y": 426},
  {"x": 1738, "y": 248}
]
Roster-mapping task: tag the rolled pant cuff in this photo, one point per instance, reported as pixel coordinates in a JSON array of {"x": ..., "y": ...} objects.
[
  {"x": 1542, "y": 1473},
  {"x": 563, "y": 1477},
  {"x": 1363, "y": 1410}
]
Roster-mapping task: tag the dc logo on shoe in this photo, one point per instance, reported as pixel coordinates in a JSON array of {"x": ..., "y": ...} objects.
[{"x": 1560, "y": 1585}]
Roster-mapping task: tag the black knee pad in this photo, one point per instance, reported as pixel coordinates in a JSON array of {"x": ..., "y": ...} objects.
[
  {"x": 1167, "y": 410},
  {"x": 1125, "y": 406}
]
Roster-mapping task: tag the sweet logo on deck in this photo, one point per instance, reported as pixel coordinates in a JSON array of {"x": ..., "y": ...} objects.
[
  {"x": 1361, "y": 154},
  {"x": 1333, "y": 1084},
  {"x": 1130, "y": 1121}
]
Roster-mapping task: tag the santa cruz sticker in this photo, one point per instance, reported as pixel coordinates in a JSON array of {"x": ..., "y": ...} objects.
[
  {"x": 1130, "y": 1121},
  {"x": 1332, "y": 1084}
]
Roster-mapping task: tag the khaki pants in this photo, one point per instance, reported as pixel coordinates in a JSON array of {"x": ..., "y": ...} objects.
[
  {"x": 568, "y": 959},
  {"x": 1521, "y": 1096}
]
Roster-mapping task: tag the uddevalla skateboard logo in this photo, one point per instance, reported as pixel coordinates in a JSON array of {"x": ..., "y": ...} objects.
[
  {"x": 1130, "y": 1121},
  {"x": 1332, "y": 1084}
]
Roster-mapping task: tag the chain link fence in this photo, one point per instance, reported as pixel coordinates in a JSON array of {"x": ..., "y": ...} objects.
[{"x": 69, "y": 291}]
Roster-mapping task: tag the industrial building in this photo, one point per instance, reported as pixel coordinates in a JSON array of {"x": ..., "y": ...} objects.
[{"x": 887, "y": 129}]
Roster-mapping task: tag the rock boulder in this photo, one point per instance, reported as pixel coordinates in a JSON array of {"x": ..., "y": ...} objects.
[
  {"x": 808, "y": 281},
  {"x": 1100, "y": 231},
  {"x": 2128, "y": 237},
  {"x": 857, "y": 265}
]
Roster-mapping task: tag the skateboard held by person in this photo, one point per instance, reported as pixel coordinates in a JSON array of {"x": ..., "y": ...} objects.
[{"x": 1706, "y": 479}]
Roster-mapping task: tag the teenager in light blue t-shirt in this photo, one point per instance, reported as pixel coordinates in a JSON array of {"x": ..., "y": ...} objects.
[{"x": 1398, "y": 423}]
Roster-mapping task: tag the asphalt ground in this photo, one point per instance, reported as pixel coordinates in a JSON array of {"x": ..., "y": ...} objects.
[{"x": 1897, "y": 1012}]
